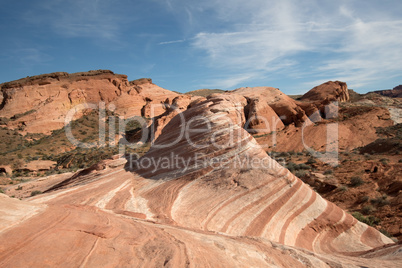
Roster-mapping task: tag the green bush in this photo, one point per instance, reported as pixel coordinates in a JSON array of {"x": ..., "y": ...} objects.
[
  {"x": 294, "y": 167},
  {"x": 367, "y": 210},
  {"x": 380, "y": 201},
  {"x": 364, "y": 199},
  {"x": 356, "y": 181},
  {"x": 369, "y": 220},
  {"x": 385, "y": 232},
  {"x": 300, "y": 173},
  {"x": 311, "y": 160},
  {"x": 328, "y": 172},
  {"x": 384, "y": 161},
  {"x": 33, "y": 193}
]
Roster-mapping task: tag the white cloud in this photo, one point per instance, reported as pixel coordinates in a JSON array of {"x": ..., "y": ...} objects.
[
  {"x": 355, "y": 41},
  {"x": 229, "y": 81},
  {"x": 172, "y": 42}
]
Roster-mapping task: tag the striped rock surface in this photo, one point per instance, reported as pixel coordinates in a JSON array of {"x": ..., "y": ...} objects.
[{"x": 208, "y": 197}]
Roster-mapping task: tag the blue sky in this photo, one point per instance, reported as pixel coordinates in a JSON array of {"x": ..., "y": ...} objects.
[{"x": 185, "y": 45}]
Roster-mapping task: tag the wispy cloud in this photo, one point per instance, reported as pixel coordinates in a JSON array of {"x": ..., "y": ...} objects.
[
  {"x": 74, "y": 18},
  {"x": 27, "y": 57},
  {"x": 172, "y": 42},
  {"x": 228, "y": 81},
  {"x": 355, "y": 41}
]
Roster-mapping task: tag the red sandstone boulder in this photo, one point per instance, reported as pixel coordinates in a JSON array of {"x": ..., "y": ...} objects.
[
  {"x": 285, "y": 107},
  {"x": 261, "y": 118},
  {"x": 329, "y": 91}
]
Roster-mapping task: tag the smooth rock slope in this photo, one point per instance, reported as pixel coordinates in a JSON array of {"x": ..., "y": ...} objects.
[{"x": 206, "y": 196}]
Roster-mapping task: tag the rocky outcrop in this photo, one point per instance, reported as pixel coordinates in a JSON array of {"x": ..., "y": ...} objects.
[
  {"x": 39, "y": 165},
  {"x": 6, "y": 169},
  {"x": 209, "y": 197},
  {"x": 261, "y": 118},
  {"x": 178, "y": 105},
  {"x": 42, "y": 102},
  {"x": 233, "y": 194},
  {"x": 396, "y": 92},
  {"x": 141, "y": 81},
  {"x": 327, "y": 92},
  {"x": 285, "y": 107}
]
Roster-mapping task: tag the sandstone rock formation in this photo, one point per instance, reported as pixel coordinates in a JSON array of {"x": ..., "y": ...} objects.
[
  {"x": 219, "y": 201},
  {"x": 39, "y": 104},
  {"x": 178, "y": 105},
  {"x": 6, "y": 169},
  {"x": 329, "y": 91},
  {"x": 285, "y": 107},
  {"x": 261, "y": 118},
  {"x": 39, "y": 165}
]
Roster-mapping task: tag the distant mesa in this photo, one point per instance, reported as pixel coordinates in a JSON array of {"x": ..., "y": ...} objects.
[{"x": 396, "y": 92}]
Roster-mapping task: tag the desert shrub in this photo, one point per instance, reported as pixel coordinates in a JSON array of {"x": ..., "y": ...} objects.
[
  {"x": 310, "y": 161},
  {"x": 367, "y": 210},
  {"x": 36, "y": 192},
  {"x": 380, "y": 201},
  {"x": 364, "y": 199},
  {"x": 300, "y": 173},
  {"x": 368, "y": 156},
  {"x": 400, "y": 161},
  {"x": 291, "y": 166},
  {"x": 384, "y": 161},
  {"x": 343, "y": 188},
  {"x": 1, "y": 191},
  {"x": 328, "y": 172},
  {"x": 356, "y": 181},
  {"x": 385, "y": 232},
  {"x": 294, "y": 167},
  {"x": 303, "y": 166},
  {"x": 369, "y": 220},
  {"x": 19, "y": 188}
]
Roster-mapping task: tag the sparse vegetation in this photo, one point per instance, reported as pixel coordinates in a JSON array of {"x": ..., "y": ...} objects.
[
  {"x": 328, "y": 172},
  {"x": 384, "y": 161},
  {"x": 343, "y": 188},
  {"x": 356, "y": 181},
  {"x": 369, "y": 220},
  {"x": 33, "y": 193},
  {"x": 385, "y": 232},
  {"x": 380, "y": 201},
  {"x": 310, "y": 161},
  {"x": 366, "y": 210},
  {"x": 300, "y": 173},
  {"x": 364, "y": 199}
]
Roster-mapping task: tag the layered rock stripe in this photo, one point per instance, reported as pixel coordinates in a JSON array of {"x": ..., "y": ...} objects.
[{"x": 201, "y": 216}]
